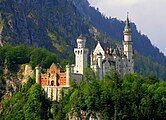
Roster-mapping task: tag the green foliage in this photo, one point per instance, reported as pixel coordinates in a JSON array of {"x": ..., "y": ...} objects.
[
  {"x": 132, "y": 97},
  {"x": 42, "y": 58},
  {"x": 89, "y": 75},
  {"x": 64, "y": 62},
  {"x": 12, "y": 57},
  {"x": 27, "y": 104},
  {"x": 2, "y": 86},
  {"x": 58, "y": 30},
  {"x": 33, "y": 107}
]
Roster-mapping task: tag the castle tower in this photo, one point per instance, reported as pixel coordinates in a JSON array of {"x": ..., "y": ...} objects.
[
  {"x": 68, "y": 75},
  {"x": 127, "y": 45},
  {"x": 81, "y": 55},
  {"x": 38, "y": 74}
]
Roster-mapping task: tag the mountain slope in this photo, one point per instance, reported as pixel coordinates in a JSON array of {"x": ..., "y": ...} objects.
[
  {"x": 114, "y": 28},
  {"x": 55, "y": 25},
  {"x": 42, "y": 23}
]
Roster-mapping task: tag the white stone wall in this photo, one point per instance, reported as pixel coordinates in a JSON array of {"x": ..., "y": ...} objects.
[
  {"x": 53, "y": 92},
  {"x": 81, "y": 56}
]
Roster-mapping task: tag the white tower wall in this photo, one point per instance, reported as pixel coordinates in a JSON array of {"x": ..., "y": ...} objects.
[{"x": 81, "y": 56}]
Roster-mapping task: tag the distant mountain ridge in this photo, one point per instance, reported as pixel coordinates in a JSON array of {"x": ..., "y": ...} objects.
[
  {"x": 55, "y": 25},
  {"x": 114, "y": 28}
]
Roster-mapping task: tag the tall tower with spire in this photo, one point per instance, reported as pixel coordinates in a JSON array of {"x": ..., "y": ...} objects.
[
  {"x": 81, "y": 55},
  {"x": 127, "y": 45}
]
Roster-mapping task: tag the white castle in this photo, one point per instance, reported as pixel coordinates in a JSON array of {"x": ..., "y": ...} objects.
[
  {"x": 121, "y": 58},
  {"x": 101, "y": 62}
]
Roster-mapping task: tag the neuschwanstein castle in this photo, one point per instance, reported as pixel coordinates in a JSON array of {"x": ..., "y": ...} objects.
[{"x": 120, "y": 59}]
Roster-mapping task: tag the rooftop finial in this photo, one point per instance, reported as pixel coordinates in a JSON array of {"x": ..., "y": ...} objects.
[{"x": 81, "y": 37}]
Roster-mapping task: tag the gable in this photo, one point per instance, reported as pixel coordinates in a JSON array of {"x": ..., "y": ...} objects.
[{"x": 98, "y": 49}]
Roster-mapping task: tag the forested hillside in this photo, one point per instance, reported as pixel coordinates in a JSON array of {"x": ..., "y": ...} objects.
[
  {"x": 55, "y": 25},
  {"x": 130, "y": 98}
]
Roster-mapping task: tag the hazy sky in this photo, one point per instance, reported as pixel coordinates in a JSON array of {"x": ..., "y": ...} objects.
[{"x": 148, "y": 15}]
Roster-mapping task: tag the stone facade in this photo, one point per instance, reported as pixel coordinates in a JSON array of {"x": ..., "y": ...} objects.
[
  {"x": 120, "y": 58},
  {"x": 53, "y": 81}
]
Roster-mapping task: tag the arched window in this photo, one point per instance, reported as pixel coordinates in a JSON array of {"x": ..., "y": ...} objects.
[{"x": 52, "y": 83}]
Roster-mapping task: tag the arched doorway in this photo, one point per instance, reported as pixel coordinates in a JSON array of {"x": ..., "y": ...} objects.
[{"x": 52, "y": 83}]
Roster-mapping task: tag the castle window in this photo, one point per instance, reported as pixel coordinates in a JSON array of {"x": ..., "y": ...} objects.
[{"x": 52, "y": 83}]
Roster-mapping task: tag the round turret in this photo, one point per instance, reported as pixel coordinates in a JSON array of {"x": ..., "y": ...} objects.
[
  {"x": 38, "y": 74},
  {"x": 68, "y": 74},
  {"x": 81, "y": 42}
]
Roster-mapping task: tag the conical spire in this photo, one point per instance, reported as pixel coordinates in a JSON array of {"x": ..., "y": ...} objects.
[{"x": 127, "y": 22}]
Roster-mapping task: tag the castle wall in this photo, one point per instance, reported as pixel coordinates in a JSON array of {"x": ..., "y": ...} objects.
[
  {"x": 54, "y": 77},
  {"x": 62, "y": 80},
  {"x": 77, "y": 77},
  {"x": 53, "y": 92},
  {"x": 44, "y": 80},
  {"x": 106, "y": 68}
]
